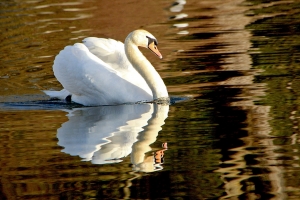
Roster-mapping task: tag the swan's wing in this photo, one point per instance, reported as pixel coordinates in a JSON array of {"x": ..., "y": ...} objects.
[
  {"x": 110, "y": 51},
  {"x": 91, "y": 81}
]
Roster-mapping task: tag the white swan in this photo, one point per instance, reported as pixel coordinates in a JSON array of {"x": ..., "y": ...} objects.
[{"x": 102, "y": 72}]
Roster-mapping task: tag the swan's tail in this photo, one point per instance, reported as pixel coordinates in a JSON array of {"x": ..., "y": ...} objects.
[{"x": 57, "y": 94}]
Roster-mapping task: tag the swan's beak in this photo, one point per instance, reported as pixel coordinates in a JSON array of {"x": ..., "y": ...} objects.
[{"x": 154, "y": 49}]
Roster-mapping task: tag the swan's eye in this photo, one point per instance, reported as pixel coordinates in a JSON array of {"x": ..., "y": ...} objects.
[{"x": 150, "y": 40}]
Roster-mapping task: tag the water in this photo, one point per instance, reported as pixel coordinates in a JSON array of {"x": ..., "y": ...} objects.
[{"x": 235, "y": 137}]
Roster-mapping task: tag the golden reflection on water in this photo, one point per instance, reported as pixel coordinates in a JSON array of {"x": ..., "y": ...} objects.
[
  {"x": 228, "y": 18},
  {"x": 32, "y": 161},
  {"x": 32, "y": 38},
  {"x": 197, "y": 38}
]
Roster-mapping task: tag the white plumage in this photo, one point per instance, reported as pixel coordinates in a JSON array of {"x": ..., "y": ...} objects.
[{"x": 104, "y": 72}]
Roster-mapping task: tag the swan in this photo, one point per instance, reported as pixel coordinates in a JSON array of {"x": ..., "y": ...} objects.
[{"x": 103, "y": 71}]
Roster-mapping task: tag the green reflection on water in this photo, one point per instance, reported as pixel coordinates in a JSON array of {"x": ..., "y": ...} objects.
[{"x": 277, "y": 40}]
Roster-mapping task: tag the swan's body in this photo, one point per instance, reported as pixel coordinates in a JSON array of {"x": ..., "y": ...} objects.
[{"x": 107, "y": 72}]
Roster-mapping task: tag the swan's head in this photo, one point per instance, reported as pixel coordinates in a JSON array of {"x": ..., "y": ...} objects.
[{"x": 145, "y": 39}]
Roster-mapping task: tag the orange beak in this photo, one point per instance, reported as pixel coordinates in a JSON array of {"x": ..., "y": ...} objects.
[{"x": 154, "y": 49}]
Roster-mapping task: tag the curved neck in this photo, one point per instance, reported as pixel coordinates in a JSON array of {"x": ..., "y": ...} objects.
[{"x": 145, "y": 69}]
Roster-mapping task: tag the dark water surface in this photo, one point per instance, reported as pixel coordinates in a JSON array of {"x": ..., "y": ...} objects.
[{"x": 236, "y": 138}]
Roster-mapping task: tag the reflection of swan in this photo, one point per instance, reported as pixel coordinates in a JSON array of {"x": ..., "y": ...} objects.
[
  {"x": 107, "y": 134},
  {"x": 147, "y": 137},
  {"x": 102, "y": 72}
]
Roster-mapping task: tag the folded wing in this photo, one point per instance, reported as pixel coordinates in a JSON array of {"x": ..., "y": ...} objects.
[
  {"x": 109, "y": 51},
  {"x": 91, "y": 81}
]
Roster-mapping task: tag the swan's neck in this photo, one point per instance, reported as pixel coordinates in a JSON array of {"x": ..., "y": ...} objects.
[{"x": 146, "y": 70}]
